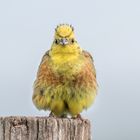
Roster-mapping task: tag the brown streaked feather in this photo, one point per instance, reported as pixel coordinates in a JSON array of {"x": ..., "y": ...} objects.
[
  {"x": 45, "y": 56},
  {"x": 87, "y": 54},
  {"x": 45, "y": 74},
  {"x": 87, "y": 76},
  {"x": 90, "y": 58}
]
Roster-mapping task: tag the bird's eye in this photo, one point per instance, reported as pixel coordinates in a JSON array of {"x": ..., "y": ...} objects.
[
  {"x": 72, "y": 40},
  {"x": 56, "y": 41}
]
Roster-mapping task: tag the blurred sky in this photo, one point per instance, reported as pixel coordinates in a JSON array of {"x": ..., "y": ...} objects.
[{"x": 109, "y": 30}]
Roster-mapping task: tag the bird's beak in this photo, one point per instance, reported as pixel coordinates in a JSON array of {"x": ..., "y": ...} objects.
[{"x": 63, "y": 41}]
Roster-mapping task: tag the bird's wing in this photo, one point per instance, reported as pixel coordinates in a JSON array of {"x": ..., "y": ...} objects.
[
  {"x": 44, "y": 73},
  {"x": 44, "y": 76},
  {"x": 45, "y": 57},
  {"x": 90, "y": 59},
  {"x": 87, "y": 54}
]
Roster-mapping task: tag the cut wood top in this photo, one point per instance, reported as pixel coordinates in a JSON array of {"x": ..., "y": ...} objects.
[{"x": 43, "y": 128}]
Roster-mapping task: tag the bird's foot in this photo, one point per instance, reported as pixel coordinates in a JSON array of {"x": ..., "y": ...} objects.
[
  {"x": 78, "y": 117},
  {"x": 64, "y": 116},
  {"x": 51, "y": 114}
]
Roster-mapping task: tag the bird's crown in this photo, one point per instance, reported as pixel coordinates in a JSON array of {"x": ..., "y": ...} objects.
[{"x": 64, "y": 30}]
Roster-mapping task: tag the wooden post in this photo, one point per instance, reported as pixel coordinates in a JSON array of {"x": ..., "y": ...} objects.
[{"x": 43, "y": 128}]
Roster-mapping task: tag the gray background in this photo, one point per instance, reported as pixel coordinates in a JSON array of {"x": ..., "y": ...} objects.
[{"x": 108, "y": 29}]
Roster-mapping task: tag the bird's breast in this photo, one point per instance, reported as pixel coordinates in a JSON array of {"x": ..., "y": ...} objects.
[{"x": 66, "y": 64}]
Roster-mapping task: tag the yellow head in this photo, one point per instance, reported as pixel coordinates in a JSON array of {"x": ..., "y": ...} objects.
[
  {"x": 64, "y": 40},
  {"x": 64, "y": 35},
  {"x": 65, "y": 51}
]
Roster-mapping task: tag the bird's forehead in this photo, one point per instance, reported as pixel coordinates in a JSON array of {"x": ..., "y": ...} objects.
[{"x": 64, "y": 30}]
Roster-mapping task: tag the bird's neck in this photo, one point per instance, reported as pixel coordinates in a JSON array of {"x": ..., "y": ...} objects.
[
  {"x": 60, "y": 55},
  {"x": 65, "y": 61}
]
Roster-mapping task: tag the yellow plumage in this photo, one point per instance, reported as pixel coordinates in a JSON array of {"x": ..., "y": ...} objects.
[{"x": 66, "y": 79}]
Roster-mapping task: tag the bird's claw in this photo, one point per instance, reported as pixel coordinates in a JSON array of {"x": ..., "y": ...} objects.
[
  {"x": 78, "y": 117},
  {"x": 51, "y": 114}
]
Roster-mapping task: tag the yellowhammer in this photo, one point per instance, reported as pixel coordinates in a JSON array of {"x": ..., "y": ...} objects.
[{"x": 66, "y": 79}]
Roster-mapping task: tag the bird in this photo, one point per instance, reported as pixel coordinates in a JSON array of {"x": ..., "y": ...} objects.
[{"x": 66, "y": 82}]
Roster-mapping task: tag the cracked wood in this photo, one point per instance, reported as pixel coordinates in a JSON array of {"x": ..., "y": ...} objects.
[{"x": 43, "y": 128}]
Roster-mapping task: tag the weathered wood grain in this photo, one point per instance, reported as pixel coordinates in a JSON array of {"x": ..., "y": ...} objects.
[{"x": 43, "y": 128}]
